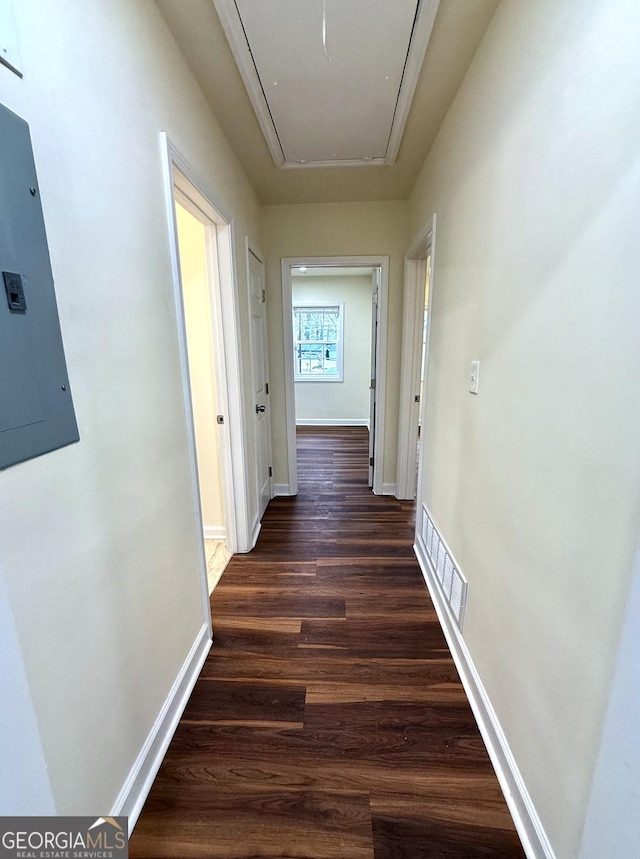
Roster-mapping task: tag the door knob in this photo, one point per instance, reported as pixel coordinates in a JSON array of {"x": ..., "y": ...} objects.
[{"x": 260, "y": 408}]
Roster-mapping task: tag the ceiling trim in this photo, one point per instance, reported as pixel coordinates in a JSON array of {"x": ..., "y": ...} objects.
[
  {"x": 420, "y": 35},
  {"x": 353, "y": 162},
  {"x": 234, "y": 31}
]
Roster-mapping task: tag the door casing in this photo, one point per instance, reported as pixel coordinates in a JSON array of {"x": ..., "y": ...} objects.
[
  {"x": 180, "y": 176},
  {"x": 415, "y": 272},
  {"x": 373, "y": 394},
  {"x": 380, "y": 346}
]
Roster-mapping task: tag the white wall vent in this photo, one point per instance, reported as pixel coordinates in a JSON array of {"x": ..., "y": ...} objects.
[{"x": 444, "y": 568}]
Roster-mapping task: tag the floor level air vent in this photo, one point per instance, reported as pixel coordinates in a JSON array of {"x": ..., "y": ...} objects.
[{"x": 444, "y": 567}]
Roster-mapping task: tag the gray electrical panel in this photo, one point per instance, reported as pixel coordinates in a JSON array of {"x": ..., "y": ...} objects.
[{"x": 36, "y": 409}]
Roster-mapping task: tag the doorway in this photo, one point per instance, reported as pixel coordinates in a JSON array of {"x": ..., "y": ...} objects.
[
  {"x": 418, "y": 301},
  {"x": 335, "y": 322},
  {"x": 201, "y": 248},
  {"x": 196, "y": 269}
]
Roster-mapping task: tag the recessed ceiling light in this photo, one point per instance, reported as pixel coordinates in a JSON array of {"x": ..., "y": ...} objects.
[{"x": 302, "y": 268}]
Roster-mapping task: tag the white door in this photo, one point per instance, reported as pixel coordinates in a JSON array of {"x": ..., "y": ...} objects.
[
  {"x": 372, "y": 387},
  {"x": 260, "y": 381}
]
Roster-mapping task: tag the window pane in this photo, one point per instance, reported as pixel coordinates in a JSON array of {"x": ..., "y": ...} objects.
[{"x": 317, "y": 342}]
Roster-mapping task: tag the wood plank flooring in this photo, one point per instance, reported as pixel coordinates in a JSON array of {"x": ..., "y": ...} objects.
[{"x": 329, "y": 721}]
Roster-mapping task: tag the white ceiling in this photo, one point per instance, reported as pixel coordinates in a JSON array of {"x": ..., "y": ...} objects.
[
  {"x": 458, "y": 30},
  {"x": 331, "y": 81}
]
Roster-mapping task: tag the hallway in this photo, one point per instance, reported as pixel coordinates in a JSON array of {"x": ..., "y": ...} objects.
[{"x": 329, "y": 720}]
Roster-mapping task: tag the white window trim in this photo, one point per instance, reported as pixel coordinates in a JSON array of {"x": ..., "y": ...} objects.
[{"x": 339, "y": 375}]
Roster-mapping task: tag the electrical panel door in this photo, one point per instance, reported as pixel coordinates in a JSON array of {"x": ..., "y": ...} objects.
[{"x": 36, "y": 409}]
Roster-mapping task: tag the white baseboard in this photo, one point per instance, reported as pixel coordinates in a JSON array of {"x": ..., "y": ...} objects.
[
  {"x": 282, "y": 489},
  {"x": 145, "y": 768},
  {"x": 528, "y": 824},
  {"x": 332, "y": 422},
  {"x": 388, "y": 488},
  {"x": 215, "y": 532}
]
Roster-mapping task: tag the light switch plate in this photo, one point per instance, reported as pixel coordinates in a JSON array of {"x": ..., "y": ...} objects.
[{"x": 474, "y": 377}]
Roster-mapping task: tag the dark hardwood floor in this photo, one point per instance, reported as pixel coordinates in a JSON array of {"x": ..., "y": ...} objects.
[{"x": 329, "y": 720}]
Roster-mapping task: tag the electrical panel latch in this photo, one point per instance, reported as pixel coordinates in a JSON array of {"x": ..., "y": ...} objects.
[{"x": 15, "y": 292}]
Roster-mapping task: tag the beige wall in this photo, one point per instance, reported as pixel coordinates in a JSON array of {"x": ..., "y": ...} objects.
[
  {"x": 535, "y": 179},
  {"x": 334, "y": 229},
  {"x": 198, "y": 323},
  {"x": 98, "y": 541},
  {"x": 348, "y": 399}
]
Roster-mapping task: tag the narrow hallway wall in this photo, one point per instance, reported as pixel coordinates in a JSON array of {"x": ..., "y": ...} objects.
[
  {"x": 99, "y": 543},
  {"x": 535, "y": 179}
]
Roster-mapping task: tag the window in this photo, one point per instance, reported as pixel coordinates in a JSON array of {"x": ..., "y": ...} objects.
[{"x": 317, "y": 343}]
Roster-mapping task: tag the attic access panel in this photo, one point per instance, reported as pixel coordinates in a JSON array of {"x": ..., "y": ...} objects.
[
  {"x": 331, "y": 81},
  {"x": 36, "y": 410}
]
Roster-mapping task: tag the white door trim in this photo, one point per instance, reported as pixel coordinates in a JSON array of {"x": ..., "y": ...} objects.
[
  {"x": 178, "y": 173},
  {"x": 289, "y": 263},
  {"x": 415, "y": 272}
]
